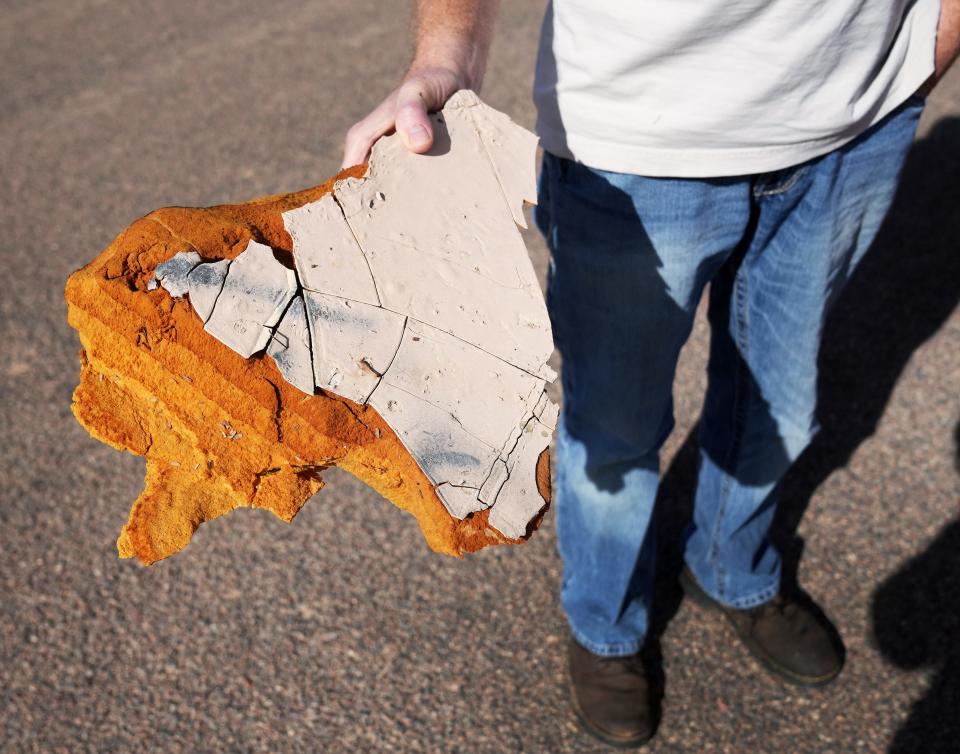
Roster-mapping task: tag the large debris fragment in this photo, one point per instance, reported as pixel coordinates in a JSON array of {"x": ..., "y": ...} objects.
[{"x": 406, "y": 331}]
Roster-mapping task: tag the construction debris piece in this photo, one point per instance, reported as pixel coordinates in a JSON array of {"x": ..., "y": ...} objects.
[{"x": 407, "y": 333}]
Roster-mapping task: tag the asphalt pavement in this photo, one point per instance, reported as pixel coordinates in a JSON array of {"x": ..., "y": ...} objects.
[{"x": 342, "y": 632}]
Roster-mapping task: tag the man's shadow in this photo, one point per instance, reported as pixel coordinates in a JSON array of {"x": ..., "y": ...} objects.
[
  {"x": 903, "y": 291},
  {"x": 916, "y": 625}
]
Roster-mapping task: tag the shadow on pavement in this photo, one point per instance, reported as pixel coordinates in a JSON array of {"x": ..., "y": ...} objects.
[
  {"x": 901, "y": 294},
  {"x": 916, "y": 625}
]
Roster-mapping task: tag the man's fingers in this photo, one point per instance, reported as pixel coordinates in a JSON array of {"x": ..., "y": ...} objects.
[
  {"x": 356, "y": 147},
  {"x": 406, "y": 110},
  {"x": 364, "y": 133},
  {"x": 412, "y": 122}
]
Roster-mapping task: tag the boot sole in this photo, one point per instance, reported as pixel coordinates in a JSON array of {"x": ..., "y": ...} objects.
[
  {"x": 693, "y": 590},
  {"x": 634, "y": 742}
]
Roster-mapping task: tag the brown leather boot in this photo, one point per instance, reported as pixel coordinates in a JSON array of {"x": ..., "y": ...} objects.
[
  {"x": 612, "y": 697},
  {"x": 794, "y": 640}
]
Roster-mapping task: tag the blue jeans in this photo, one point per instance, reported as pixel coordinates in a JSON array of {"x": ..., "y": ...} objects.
[{"x": 630, "y": 258}]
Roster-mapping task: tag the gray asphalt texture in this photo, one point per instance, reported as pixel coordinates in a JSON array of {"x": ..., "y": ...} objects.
[{"x": 342, "y": 632}]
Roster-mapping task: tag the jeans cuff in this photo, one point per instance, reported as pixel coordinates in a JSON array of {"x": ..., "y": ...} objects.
[
  {"x": 607, "y": 649},
  {"x": 751, "y": 600}
]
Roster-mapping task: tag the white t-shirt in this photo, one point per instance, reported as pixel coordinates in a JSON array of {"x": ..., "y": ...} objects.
[{"x": 701, "y": 88}]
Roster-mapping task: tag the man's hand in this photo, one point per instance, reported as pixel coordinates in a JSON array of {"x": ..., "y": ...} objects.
[
  {"x": 405, "y": 109},
  {"x": 452, "y": 41}
]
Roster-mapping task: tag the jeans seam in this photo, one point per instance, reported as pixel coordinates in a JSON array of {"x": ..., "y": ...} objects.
[
  {"x": 733, "y": 449},
  {"x": 758, "y": 597},
  {"x": 783, "y": 187}
]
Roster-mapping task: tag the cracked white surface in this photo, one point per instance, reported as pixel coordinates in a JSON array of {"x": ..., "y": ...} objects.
[
  {"x": 204, "y": 283},
  {"x": 290, "y": 347},
  {"x": 328, "y": 258},
  {"x": 172, "y": 274},
  {"x": 491, "y": 396},
  {"x": 353, "y": 343},
  {"x": 445, "y": 449},
  {"x": 433, "y": 231},
  {"x": 255, "y": 293},
  {"x": 413, "y": 292},
  {"x": 516, "y": 504}
]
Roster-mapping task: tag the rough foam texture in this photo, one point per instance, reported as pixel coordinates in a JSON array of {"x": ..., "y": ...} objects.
[{"x": 221, "y": 431}]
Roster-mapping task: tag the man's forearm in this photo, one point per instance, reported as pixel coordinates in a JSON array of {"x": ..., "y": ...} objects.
[
  {"x": 452, "y": 43},
  {"x": 948, "y": 35},
  {"x": 455, "y": 34}
]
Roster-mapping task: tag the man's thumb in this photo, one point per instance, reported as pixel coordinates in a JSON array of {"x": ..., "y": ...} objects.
[{"x": 412, "y": 122}]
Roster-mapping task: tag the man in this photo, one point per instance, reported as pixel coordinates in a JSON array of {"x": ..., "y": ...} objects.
[{"x": 751, "y": 144}]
